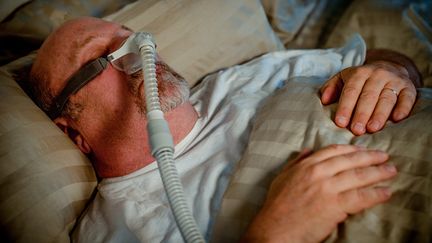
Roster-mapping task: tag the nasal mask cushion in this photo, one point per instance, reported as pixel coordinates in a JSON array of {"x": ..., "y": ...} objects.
[{"x": 127, "y": 58}]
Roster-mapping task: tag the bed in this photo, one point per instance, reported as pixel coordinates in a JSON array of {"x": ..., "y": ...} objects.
[{"x": 46, "y": 182}]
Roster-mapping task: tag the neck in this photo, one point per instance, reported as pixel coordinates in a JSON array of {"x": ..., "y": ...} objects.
[{"x": 181, "y": 120}]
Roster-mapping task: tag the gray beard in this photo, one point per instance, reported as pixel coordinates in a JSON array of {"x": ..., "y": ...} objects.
[{"x": 173, "y": 89}]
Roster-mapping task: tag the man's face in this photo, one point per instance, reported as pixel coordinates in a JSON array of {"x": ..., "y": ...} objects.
[
  {"x": 112, "y": 107},
  {"x": 118, "y": 102}
]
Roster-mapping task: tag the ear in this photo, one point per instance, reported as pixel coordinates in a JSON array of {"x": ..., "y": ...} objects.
[{"x": 73, "y": 134}]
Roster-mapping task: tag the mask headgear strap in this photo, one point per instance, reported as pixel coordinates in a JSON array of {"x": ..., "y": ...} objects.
[{"x": 75, "y": 83}]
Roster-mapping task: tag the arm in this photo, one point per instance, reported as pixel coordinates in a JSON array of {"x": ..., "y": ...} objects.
[
  {"x": 382, "y": 88},
  {"x": 315, "y": 192}
]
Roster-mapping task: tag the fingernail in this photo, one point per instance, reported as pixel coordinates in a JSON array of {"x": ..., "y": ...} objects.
[
  {"x": 374, "y": 125},
  {"x": 398, "y": 116},
  {"x": 359, "y": 127},
  {"x": 341, "y": 120},
  {"x": 390, "y": 168}
]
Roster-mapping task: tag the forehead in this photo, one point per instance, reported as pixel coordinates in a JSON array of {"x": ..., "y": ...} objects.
[
  {"x": 94, "y": 40},
  {"x": 84, "y": 39},
  {"x": 75, "y": 43}
]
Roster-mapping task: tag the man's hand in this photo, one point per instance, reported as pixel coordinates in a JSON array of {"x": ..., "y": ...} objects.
[
  {"x": 369, "y": 95},
  {"x": 315, "y": 192}
]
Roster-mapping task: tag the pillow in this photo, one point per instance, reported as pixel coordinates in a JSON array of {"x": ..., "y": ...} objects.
[
  {"x": 45, "y": 181},
  {"x": 293, "y": 119},
  {"x": 304, "y": 23},
  {"x": 288, "y": 17},
  {"x": 199, "y": 37},
  {"x": 8, "y": 7},
  {"x": 393, "y": 26},
  {"x": 24, "y": 29}
]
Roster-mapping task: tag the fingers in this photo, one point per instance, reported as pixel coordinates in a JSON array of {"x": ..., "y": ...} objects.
[
  {"x": 392, "y": 103},
  {"x": 331, "y": 90},
  {"x": 308, "y": 156},
  {"x": 383, "y": 109},
  {"x": 368, "y": 99},
  {"x": 406, "y": 100},
  {"x": 356, "y": 186},
  {"x": 331, "y": 151},
  {"x": 347, "y": 163},
  {"x": 362, "y": 176},
  {"x": 355, "y": 201},
  {"x": 349, "y": 96}
]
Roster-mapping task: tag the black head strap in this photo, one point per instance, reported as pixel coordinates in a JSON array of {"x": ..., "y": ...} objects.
[{"x": 75, "y": 83}]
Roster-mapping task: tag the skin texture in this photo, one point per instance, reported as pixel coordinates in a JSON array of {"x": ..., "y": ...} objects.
[{"x": 307, "y": 199}]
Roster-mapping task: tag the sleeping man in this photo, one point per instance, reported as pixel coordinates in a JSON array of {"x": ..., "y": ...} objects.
[{"x": 106, "y": 120}]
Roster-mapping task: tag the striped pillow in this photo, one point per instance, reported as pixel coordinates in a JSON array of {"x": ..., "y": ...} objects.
[
  {"x": 45, "y": 181},
  {"x": 294, "y": 119},
  {"x": 199, "y": 37}
]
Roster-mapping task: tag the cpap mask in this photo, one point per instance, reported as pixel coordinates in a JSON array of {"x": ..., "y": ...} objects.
[
  {"x": 127, "y": 58},
  {"x": 136, "y": 53}
]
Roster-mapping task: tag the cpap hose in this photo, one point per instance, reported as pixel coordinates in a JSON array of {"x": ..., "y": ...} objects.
[{"x": 162, "y": 143}]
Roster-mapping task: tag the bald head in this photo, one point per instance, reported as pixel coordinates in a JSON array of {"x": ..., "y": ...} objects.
[{"x": 68, "y": 48}]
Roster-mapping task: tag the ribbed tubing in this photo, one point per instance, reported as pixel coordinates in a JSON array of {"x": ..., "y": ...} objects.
[
  {"x": 164, "y": 154},
  {"x": 175, "y": 194},
  {"x": 150, "y": 84}
]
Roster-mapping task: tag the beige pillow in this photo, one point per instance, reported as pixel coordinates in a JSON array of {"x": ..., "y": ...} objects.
[
  {"x": 199, "y": 37},
  {"x": 25, "y": 24},
  {"x": 304, "y": 24},
  {"x": 45, "y": 181},
  {"x": 8, "y": 7},
  {"x": 293, "y": 119}
]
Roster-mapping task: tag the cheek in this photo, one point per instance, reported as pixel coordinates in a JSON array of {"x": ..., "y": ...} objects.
[
  {"x": 107, "y": 99},
  {"x": 108, "y": 119},
  {"x": 110, "y": 89}
]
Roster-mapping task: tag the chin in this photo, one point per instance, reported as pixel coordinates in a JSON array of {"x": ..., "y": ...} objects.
[{"x": 172, "y": 88}]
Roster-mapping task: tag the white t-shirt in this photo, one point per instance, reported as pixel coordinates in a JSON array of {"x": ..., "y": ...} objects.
[{"x": 134, "y": 208}]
